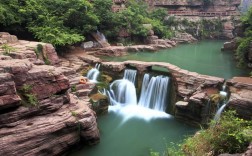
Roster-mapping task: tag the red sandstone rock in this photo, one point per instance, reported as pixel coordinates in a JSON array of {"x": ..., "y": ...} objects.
[
  {"x": 50, "y": 53},
  {"x": 241, "y": 96},
  {"x": 8, "y": 95}
]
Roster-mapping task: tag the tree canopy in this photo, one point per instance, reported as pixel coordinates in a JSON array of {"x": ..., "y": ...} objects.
[{"x": 64, "y": 22}]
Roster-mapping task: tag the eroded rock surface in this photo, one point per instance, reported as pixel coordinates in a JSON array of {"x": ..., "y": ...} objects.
[
  {"x": 39, "y": 115},
  {"x": 241, "y": 96}
]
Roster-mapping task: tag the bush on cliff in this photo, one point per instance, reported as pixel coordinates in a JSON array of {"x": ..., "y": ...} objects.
[
  {"x": 230, "y": 135},
  {"x": 65, "y": 22},
  {"x": 244, "y": 44}
]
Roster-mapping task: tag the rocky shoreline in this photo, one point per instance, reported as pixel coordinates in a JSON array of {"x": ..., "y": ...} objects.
[{"x": 44, "y": 110}]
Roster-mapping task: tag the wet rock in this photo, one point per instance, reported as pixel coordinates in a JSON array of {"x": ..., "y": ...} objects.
[
  {"x": 232, "y": 45},
  {"x": 181, "y": 104}
]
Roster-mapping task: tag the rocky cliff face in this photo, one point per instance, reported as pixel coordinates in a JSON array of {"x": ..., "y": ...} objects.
[
  {"x": 38, "y": 113},
  {"x": 240, "y": 98}
]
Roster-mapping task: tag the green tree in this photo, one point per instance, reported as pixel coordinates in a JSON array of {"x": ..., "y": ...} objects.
[
  {"x": 8, "y": 12},
  {"x": 244, "y": 44},
  {"x": 59, "y": 22}
]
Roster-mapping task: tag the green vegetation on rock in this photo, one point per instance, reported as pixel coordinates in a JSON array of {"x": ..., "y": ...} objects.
[
  {"x": 244, "y": 43},
  {"x": 230, "y": 135},
  {"x": 65, "y": 22},
  {"x": 28, "y": 99}
]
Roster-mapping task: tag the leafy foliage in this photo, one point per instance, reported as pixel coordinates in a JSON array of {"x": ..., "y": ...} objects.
[
  {"x": 243, "y": 48},
  {"x": 65, "y": 22},
  {"x": 7, "y": 49},
  {"x": 230, "y": 135},
  {"x": 28, "y": 99},
  {"x": 9, "y": 12}
]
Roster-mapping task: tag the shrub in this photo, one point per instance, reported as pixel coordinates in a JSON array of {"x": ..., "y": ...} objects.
[
  {"x": 28, "y": 99},
  {"x": 230, "y": 135},
  {"x": 7, "y": 49},
  {"x": 242, "y": 51}
]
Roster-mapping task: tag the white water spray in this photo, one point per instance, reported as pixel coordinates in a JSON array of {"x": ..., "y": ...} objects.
[
  {"x": 93, "y": 74},
  {"x": 154, "y": 92},
  {"x": 223, "y": 95}
]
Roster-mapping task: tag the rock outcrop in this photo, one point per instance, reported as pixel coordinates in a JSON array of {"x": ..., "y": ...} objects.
[
  {"x": 39, "y": 115},
  {"x": 240, "y": 98},
  {"x": 21, "y": 49}
]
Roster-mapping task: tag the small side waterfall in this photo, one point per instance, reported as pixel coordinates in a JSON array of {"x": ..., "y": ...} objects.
[
  {"x": 154, "y": 92},
  {"x": 94, "y": 73},
  {"x": 223, "y": 95},
  {"x": 218, "y": 113}
]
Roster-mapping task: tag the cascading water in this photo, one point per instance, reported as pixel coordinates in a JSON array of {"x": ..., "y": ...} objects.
[
  {"x": 94, "y": 73},
  {"x": 130, "y": 75},
  {"x": 218, "y": 113},
  {"x": 223, "y": 95},
  {"x": 154, "y": 92},
  {"x": 123, "y": 91}
]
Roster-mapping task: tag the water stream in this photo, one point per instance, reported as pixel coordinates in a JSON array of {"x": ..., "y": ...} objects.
[{"x": 93, "y": 74}]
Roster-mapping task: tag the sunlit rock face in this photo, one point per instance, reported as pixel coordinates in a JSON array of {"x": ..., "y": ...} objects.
[{"x": 38, "y": 113}]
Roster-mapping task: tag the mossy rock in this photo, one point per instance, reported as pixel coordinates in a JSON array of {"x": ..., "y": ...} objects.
[
  {"x": 85, "y": 70},
  {"x": 97, "y": 97},
  {"x": 215, "y": 98},
  {"x": 106, "y": 78}
]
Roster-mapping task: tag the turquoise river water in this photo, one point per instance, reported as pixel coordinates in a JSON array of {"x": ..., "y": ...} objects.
[
  {"x": 134, "y": 131},
  {"x": 204, "y": 57}
]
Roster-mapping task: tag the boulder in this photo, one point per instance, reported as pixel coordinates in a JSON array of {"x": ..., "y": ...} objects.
[
  {"x": 232, "y": 46},
  {"x": 50, "y": 53},
  {"x": 7, "y": 38},
  {"x": 8, "y": 94}
]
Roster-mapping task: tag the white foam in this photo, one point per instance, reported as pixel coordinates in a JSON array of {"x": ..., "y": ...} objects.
[{"x": 135, "y": 111}]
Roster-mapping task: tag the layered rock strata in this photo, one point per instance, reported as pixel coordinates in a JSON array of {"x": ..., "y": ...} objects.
[
  {"x": 241, "y": 96},
  {"x": 39, "y": 115}
]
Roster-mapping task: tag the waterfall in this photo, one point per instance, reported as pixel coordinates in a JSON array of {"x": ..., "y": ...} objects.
[
  {"x": 101, "y": 36},
  {"x": 152, "y": 103},
  {"x": 154, "y": 92},
  {"x": 223, "y": 95},
  {"x": 123, "y": 91},
  {"x": 94, "y": 73},
  {"x": 218, "y": 113},
  {"x": 130, "y": 75}
]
